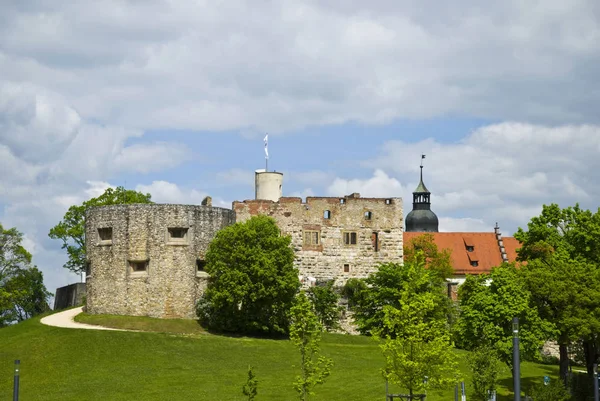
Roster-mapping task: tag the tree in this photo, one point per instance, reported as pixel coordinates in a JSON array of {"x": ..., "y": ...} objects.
[
  {"x": 439, "y": 262},
  {"x": 562, "y": 272},
  {"x": 325, "y": 302},
  {"x": 71, "y": 229},
  {"x": 488, "y": 305},
  {"x": 22, "y": 291},
  {"x": 13, "y": 256},
  {"x": 417, "y": 345},
  {"x": 250, "y": 389},
  {"x": 305, "y": 333},
  {"x": 28, "y": 294},
  {"x": 387, "y": 285},
  {"x": 253, "y": 280},
  {"x": 484, "y": 365}
]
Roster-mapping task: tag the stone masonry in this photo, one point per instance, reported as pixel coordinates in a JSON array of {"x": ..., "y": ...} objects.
[
  {"x": 147, "y": 260},
  {"x": 335, "y": 238}
]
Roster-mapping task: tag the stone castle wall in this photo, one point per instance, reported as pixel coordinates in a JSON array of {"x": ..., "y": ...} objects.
[
  {"x": 146, "y": 260},
  {"x": 330, "y": 252}
]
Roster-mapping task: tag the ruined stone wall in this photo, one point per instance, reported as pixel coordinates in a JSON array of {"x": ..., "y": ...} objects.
[
  {"x": 148, "y": 267},
  {"x": 377, "y": 223}
]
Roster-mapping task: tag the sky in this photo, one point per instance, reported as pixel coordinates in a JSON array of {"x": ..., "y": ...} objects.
[{"x": 173, "y": 98}]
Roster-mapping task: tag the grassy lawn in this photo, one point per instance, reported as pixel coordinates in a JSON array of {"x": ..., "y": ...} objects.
[{"x": 67, "y": 364}]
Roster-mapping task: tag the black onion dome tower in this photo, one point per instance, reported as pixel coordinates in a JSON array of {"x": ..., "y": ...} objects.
[{"x": 421, "y": 218}]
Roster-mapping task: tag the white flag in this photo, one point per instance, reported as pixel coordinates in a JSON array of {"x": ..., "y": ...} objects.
[{"x": 267, "y": 146}]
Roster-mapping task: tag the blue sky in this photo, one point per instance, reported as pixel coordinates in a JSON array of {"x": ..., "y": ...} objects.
[{"x": 174, "y": 98}]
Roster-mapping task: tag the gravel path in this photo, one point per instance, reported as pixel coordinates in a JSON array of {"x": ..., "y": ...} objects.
[{"x": 65, "y": 319}]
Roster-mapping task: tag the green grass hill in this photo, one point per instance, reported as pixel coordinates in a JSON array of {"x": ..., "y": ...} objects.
[{"x": 181, "y": 362}]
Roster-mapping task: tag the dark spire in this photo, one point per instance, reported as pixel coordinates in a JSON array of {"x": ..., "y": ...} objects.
[{"x": 421, "y": 218}]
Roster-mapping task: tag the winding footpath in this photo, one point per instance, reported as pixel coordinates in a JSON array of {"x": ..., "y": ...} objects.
[{"x": 65, "y": 319}]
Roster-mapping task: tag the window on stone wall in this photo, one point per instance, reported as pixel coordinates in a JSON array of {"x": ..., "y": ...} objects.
[
  {"x": 327, "y": 214},
  {"x": 342, "y": 201},
  {"x": 177, "y": 235},
  {"x": 346, "y": 268},
  {"x": 105, "y": 235},
  {"x": 375, "y": 241},
  {"x": 388, "y": 201},
  {"x": 200, "y": 265},
  {"x": 368, "y": 215},
  {"x": 138, "y": 266},
  {"x": 350, "y": 238},
  {"x": 312, "y": 238},
  {"x": 88, "y": 268}
]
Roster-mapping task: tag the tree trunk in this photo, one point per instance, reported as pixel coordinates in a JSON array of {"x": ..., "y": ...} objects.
[
  {"x": 591, "y": 355},
  {"x": 564, "y": 363}
]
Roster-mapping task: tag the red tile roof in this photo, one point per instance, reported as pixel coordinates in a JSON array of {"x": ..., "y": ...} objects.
[{"x": 486, "y": 251}]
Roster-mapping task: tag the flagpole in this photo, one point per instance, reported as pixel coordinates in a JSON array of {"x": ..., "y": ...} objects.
[{"x": 266, "y": 152}]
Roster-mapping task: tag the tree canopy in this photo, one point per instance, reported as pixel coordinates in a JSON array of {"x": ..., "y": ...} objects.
[
  {"x": 71, "y": 229},
  {"x": 436, "y": 260},
  {"x": 562, "y": 272},
  {"x": 417, "y": 345},
  {"x": 488, "y": 304},
  {"x": 386, "y": 287},
  {"x": 253, "y": 280},
  {"x": 22, "y": 291}
]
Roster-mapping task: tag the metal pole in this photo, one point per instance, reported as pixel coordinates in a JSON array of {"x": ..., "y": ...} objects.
[
  {"x": 16, "y": 383},
  {"x": 596, "y": 382},
  {"x": 516, "y": 363},
  {"x": 456, "y": 393}
]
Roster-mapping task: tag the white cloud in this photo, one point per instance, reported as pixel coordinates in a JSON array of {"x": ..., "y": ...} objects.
[
  {"x": 379, "y": 186},
  {"x": 168, "y": 192},
  {"x": 502, "y": 172},
  {"x": 467, "y": 224},
  {"x": 242, "y": 65}
]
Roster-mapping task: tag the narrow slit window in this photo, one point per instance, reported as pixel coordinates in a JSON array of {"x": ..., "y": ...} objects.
[
  {"x": 178, "y": 233},
  {"x": 375, "y": 241},
  {"x": 342, "y": 201},
  {"x": 346, "y": 268},
  {"x": 327, "y": 214},
  {"x": 368, "y": 215},
  {"x": 388, "y": 201},
  {"x": 138, "y": 266}
]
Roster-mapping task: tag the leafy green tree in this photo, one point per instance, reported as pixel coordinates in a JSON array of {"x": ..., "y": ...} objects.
[
  {"x": 485, "y": 368},
  {"x": 386, "y": 287},
  {"x": 562, "y": 272},
  {"x": 436, "y": 260},
  {"x": 488, "y": 305},
  {"x": 417, "y": 344},
  {"x": 325, "y": 301},
  {"x": 253, "y": 280},
  {"x": 28, "y": 294},
  {"x": 22, "y": 291},
  {"x": 250, "y": 389},
  {"x": 71, "y": 229},
  {"x": 305, "y": 333},
  {"x": 13, "y": 256}
]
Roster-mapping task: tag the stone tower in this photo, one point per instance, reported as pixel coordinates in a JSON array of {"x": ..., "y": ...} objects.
[{"x": 421, "y": 218}]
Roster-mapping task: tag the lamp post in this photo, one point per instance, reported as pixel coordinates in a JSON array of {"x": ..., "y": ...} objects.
[
  {"x": 516, "y": 363},
  {"x": 595, "y": 382},
  {"x": 16, "y": 383}
]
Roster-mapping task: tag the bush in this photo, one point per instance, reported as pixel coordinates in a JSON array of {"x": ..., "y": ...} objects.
[
  {"x": 354, "y": 291},
  {"x": 554, "y": 391},
  {"x": 325, "y": 301},
  {"x": 485, "y": 366}
]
